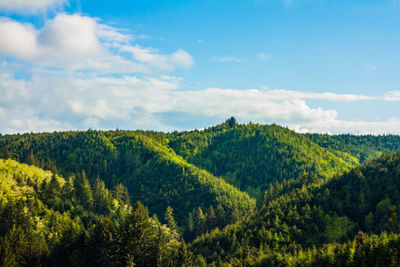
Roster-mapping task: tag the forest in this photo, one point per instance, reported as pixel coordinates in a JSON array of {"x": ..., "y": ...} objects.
[{"x": 228, "y": 195}]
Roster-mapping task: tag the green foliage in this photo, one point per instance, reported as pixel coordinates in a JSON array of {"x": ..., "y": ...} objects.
[
  {"x": 141, "y": 161},
  {"x": 363, "y": 147},
  {"x": 253, "y": 156},
  {"x": 300, "y": 215},
  {"x": 337, "y": 227},
  {"x": 311, "y": 200},
  {"x": 82, "y": 228}
]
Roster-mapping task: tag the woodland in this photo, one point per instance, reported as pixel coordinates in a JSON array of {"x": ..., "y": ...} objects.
[{"x": 228, "y": 195}]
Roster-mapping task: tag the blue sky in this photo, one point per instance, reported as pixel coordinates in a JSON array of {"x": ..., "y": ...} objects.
[{"x": 320, "y": 66}]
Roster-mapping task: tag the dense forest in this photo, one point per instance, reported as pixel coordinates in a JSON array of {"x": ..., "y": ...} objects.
[{"x": 227, "y": 195}]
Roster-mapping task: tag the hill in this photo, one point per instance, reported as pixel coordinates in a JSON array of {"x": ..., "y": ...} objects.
[
  {"x": 299, "y": 215},
  {"x": 144, "y": 163},
  {"x": 253, "y": 156},
  {"x": 362, "y": 147},
  {"x": 317, "y": 205},
  {"x": 47, "y": 220}
]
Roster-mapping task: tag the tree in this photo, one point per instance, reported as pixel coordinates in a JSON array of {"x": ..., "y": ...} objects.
[
  {"x": 105, "y": 245},
  {"x": 211, "y": 218},
  {"x": 169, "y": 219},
  {"x": 101, "y": 196},
  {"x": 83, "y": 190},
  {"x": 138, "y": 238},
  {"x": 199, "y": 221},
  {"x": 231, "y": 122},
  {"x": 184, "y": 256}
]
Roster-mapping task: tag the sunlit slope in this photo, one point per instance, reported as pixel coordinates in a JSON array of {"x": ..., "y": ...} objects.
[{"x": 152, "y": 172}]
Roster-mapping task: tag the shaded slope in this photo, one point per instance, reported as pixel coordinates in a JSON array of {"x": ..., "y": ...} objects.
[
  {"x": 306, "y": 212},
  {"x": 363, "y": 147}
]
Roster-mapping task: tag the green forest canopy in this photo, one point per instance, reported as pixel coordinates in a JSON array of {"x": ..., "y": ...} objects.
[{"x": 316, "y": 204}]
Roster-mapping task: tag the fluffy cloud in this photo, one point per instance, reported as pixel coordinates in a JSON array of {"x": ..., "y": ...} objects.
[
  {"x": 151, "y": 57},
  {"x": 29, "y": 6},
  {"x": 58, "y": 101},
  {"x": 82, "y": 73},
  {"x": 78, "y": 42},
  {"x": 18, "y": 40},
  {"x": 390, "y": 126}
]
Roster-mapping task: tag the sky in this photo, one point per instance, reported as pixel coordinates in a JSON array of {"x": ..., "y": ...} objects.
[{"x": 326, "y": 66}]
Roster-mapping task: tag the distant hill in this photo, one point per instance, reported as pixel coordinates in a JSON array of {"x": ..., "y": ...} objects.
[
  {"x": 362, "y": 147},
  {"x": 253, "y": 156}
]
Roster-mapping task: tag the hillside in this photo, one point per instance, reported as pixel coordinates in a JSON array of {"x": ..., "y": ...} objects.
[
  {"x": 317, "y": 206},
  {"x": 253, "y": 156},
  {"x": 49, "y": 221},
  {"x": 151, "y": 171},
  {"x": 362, "y": 147},
  {"x": 300, "y": 214}
]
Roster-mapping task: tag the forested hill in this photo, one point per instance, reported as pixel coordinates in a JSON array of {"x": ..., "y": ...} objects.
[
  {"x": 182, "y": 169},
  {"x": 252, "y": 156},
  {"x": 46, "y": 220},
  {"x": 151, "y": 171},
  {"x": 302, "y": 214},
  {"x": 363, "y": 147},
  {"x": 317, "y": 206}
]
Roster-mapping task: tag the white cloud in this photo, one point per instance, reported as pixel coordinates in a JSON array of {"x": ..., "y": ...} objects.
[
  {"x": 390, "y": 126},
  {"x": 78, "y": 42},
  {"x": 182, "y": 59},
  {"x": 392, "y": 96},
  {"x": 248, "y": 105},
  {"x": 71, "y": 59},
  {"x": 226, "y": 59},
  {"x": 17, "y": 39},
  {"x": 151, "y": 57},
  {"x": 63, "y": 100},
  {"x": 29, "y": 6},
  {"x": 280, "y": 94}
]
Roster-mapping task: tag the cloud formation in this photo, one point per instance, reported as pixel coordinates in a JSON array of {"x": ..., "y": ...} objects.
[
  {"x": 80, "y": 73},
  {"x": 60, "y": 101},
  {"x": 78, "y": 42}
]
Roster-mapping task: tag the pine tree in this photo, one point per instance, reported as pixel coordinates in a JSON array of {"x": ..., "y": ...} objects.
[
  {"x": 169, "y": 219},
  {"x": 211, "y": 219},
  {"x": 138, "y": 238},
  {"x": 83, "y": 190},
  {"x": 199, "y": 221},
  {"x": 105, "y": 245},
  {"x": 184, "y": 255},
  {"x": 101, "y": 196}
]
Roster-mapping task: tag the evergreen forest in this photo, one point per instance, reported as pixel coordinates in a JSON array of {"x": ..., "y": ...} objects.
[{"x": 228, "y": 195}]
